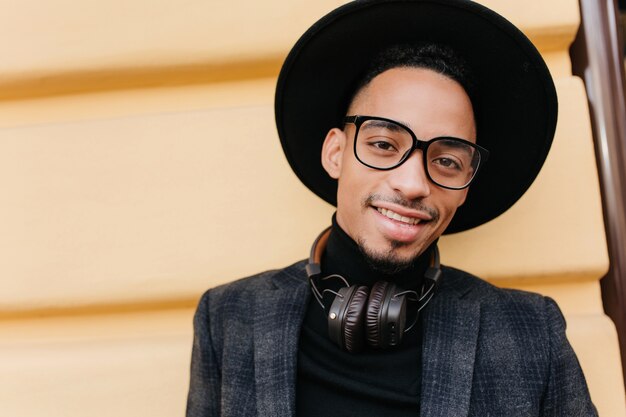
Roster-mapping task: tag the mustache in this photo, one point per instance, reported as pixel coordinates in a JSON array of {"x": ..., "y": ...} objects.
[{"x": 416, "y": 204}]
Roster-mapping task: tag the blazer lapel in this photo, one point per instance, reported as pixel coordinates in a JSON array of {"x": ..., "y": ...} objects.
[
  {"x": 278, "y": 315},
  {"x": 450, "y": 333}
]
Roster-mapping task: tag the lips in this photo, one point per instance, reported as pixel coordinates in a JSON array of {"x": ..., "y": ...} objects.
[
  {"x": 400, "y": 223},
  {"x": 395, "y": 216}
]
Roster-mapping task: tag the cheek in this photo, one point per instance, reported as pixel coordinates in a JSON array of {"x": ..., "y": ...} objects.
[
  {"x": 354, "y": 186},
  {"x": 462, "y": 197},
  {"x": 453, "y": 199},
  {"x": 450, "y": 202},
  {"x": 349, "y": 194}
]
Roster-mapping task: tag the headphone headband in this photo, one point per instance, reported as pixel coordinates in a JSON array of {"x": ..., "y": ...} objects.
[
  {"x": 313, "y": 267},
  {"x": 379, "y": 312}
]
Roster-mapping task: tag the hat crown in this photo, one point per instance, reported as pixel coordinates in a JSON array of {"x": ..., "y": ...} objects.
[{"x": 515, "y": 102}]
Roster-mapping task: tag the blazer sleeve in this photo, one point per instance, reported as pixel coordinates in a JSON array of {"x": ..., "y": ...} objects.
[
  {"x": 203, "y": 399},
  {"x": 566, "y": 393}
]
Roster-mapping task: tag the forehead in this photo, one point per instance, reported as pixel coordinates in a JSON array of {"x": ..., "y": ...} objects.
[{"x": 427, "y": 101}]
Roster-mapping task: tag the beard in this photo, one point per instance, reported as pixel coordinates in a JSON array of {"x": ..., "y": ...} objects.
[{"x": 388, "y": 262}]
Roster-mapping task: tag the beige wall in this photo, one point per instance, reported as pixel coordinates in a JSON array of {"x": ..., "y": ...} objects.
[{"x": 118, "y": 210}]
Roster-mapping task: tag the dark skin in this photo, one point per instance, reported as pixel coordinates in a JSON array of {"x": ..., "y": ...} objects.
[{"x": 395, "y": 215}]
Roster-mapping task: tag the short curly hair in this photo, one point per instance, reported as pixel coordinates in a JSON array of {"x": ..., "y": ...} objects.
[{"x": 436, "y": 57}]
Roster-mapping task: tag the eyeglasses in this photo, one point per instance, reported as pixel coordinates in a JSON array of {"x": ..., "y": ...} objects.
[{"x": 385, "y": 144}]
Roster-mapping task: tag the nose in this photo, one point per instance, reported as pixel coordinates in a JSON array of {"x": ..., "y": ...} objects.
[{"x": 410, "y": 178}]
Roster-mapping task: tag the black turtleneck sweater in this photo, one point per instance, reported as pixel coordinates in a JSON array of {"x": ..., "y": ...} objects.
[{"x": 333, "y": 382}]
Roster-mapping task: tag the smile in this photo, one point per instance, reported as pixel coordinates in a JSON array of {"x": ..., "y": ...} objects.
[{"x": 395, "y": 216}]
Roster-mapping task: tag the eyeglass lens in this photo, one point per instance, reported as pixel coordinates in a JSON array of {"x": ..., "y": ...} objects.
[{"x": 449, "y": 162}]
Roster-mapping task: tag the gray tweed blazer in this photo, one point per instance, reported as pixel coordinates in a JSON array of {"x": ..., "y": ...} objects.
[{"x": 486, "y": 351}]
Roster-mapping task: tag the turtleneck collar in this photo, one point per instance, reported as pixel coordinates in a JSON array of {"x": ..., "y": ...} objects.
[{"x": 343, "y": 256}]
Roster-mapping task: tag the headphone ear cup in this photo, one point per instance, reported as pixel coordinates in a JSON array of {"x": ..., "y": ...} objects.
[
  {"x": 346, "y": 318},
  {"x": 372, "y": 322},
  {"x": 386, "y": 316},
  {"x": 354, "y": 322}
]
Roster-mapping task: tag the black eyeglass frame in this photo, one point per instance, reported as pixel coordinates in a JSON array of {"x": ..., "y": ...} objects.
[{"x": 422, "y": 145}]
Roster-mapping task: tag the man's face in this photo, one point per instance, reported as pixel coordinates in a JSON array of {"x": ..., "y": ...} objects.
[{"x": 431, "y": 105}]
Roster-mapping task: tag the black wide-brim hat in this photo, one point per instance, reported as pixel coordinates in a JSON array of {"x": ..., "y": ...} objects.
[{"x": 515, "y": 101}]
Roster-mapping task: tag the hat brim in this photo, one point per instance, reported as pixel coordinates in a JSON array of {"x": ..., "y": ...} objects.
[{"x": 515, "y": 102}]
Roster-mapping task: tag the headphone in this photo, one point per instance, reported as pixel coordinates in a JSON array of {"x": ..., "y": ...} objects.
[{"x": 375, "y": 316}]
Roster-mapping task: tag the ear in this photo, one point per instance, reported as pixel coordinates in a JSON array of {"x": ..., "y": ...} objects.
[{"x": 332, "y": 152}]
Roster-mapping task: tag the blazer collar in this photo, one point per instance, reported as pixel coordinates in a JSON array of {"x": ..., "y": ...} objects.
[
  {"x": 278, "y": 315},
  {"x": 449, "y": 333}
]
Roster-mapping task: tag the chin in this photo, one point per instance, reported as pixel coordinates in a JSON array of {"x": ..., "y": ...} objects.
[{"x": 392, "y": 258}]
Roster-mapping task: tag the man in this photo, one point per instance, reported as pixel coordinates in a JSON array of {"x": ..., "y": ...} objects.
[{"x": 390, "y": 110}]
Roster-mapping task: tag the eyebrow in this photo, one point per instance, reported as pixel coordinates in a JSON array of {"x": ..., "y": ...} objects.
[
  {"x": 384, "y": 124},
  {"x": 454, "y": 143}
]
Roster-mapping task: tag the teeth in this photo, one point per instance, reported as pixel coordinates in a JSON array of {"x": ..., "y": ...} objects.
[{"x": 395, "y": 216}]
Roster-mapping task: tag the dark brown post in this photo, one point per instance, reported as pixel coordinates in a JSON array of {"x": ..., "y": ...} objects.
[{"x": 597, "y": 58}]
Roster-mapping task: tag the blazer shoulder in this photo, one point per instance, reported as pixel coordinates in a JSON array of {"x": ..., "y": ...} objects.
[
  {"x": 491, "y": 296},
  {"x": 244, "y": 288}
]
